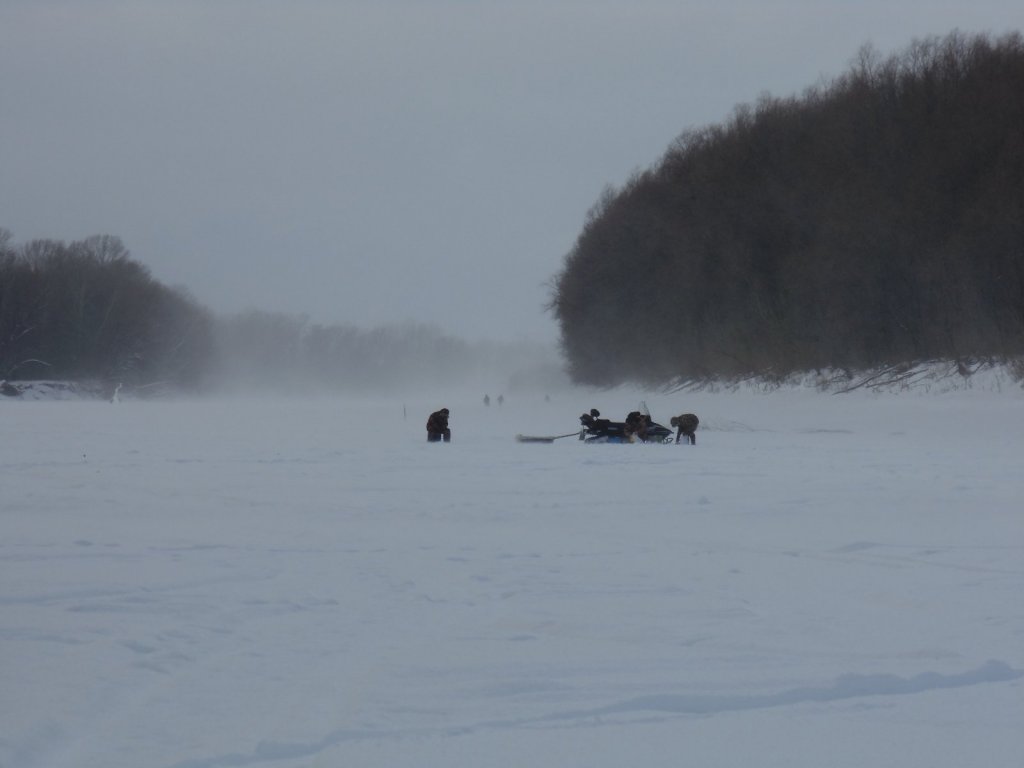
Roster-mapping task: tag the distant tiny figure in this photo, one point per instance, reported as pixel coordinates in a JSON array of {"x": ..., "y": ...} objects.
[
  {"x": 487, "y": 399},
  {"x": 687, "y": 427},
  {"x": 501, "y": 399},
  {"x": 437, "y": 427}
]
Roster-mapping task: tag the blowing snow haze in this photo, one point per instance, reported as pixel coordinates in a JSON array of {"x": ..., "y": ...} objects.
[{"x": 377, "y": 163}]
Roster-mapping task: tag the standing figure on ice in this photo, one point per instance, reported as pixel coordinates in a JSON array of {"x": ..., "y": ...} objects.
[
  {"x": 437, "y": 427},
  {"x": 687, "y": 427}
]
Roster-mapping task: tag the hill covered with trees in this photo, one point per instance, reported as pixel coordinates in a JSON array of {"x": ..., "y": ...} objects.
[{"x": 873, "y": 220}]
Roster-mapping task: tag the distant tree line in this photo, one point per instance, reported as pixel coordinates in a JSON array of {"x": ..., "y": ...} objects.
[
  {"x": 875, "y": 219},
  {"x": 87, "y": 310},
  {"x": 282, "y": 352}
]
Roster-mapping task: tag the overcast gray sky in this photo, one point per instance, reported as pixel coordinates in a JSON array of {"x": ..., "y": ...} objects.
[{"x": 381, "y": 161}]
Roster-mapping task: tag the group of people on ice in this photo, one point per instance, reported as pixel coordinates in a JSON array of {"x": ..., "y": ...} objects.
[{"x": 638, "y": 427}]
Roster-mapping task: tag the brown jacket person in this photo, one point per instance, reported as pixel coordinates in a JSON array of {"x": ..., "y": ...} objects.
[{"x": 687, "y": 426}]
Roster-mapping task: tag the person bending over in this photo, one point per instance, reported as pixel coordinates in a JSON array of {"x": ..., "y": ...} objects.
[
  {"x": 686, "y": 426},
  {"x": 437, "y": 427}
]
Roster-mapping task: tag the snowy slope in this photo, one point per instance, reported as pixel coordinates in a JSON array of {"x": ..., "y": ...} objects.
[{"x": 822, "y": 580}]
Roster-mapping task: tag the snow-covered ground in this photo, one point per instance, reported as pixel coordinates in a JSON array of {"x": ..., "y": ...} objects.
[{"x": 823, "y": 580}]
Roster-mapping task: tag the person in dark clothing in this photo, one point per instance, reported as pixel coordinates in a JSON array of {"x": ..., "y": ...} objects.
[
  {"x": 635, "y": 424},
  {"x": 601, "y": 430},
  {"x": 594, "y": 424},
  {"x": 437, "y": 427},
  {"x": 587, "y": 420},
  {"x": 590, "y": 420},
  {"x": 686, "y": 426}
]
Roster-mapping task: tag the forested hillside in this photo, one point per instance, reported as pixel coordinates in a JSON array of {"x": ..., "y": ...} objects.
[{"x": 874, "y": 219}]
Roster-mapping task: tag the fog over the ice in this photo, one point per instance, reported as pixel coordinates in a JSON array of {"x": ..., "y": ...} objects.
[{"x": 381, "y": 161}]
